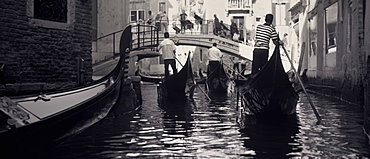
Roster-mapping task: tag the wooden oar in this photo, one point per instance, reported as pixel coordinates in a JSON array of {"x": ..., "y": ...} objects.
[
  {"x": 222, "y": 62},
  {"x": 304, "y": 89},
  {"x": 235, "y": 71},
  {"x": 205, "y": 94}
]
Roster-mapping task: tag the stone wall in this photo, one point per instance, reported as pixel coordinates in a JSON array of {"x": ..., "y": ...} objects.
[
  {"x": 340, "y": 74},
  {"x": 367, "y": 77},
  {"x": 112, "y": 17},
  {"x": 44, "y": 51}
]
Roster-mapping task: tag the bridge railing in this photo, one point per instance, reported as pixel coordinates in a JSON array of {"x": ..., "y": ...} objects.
[
  {"x": 144, "y": 37},
  {"x": 204, "y": 27},
  {"x": 105, "y": 49},
  {"x": 147, "y": 37}
]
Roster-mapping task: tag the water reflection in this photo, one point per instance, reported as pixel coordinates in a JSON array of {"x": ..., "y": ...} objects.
[
  {"x": 177, "y": 118},
  {"x": 177, "y": 126},
  {"x": 339, "y": 136},
  {"x": 268, "y": 138},
  {"x": 204, "y": 129},
  {"x": 217, "y": 98}
]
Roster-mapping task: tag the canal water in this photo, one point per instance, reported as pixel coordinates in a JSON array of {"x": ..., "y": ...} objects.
[{"x": 203, "y": 129}]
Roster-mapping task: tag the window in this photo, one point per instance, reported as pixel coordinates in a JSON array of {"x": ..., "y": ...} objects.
[
  {"x": 162, "y": 7},
  {"x": 137, "y": 16},
  {"x": 239, "y": 3},
  {"x": 51, "y": 13},
  {"x": 247, "y": 4},
  {"x": 51, "y": 10},
  {"x": 331, "y": 27},
  {"x": 133, "y": 16},
  {"x": 313, "y": 35},
  {"x": 280, "y": 14}
]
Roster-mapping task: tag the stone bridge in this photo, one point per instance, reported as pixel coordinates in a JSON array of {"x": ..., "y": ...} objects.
[{"x": 146, "y": 40}]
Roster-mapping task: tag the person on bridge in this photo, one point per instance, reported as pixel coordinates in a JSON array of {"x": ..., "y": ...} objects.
[
  {"x": 216, "y": 25},
  {"x": 264, "y": 33},
  {"x": 164, "y": 22},
  {"x": 183, "y": 18},
  {"x": 150, "y": 18},
  {"x": 167, "y": 49},
  {"x": 214, "y": 58},
  {"x": 233, "y": 30}
]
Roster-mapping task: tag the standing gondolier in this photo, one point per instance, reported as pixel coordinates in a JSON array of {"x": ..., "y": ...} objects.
[
  {"x": 167, "y": 49},
  {"x": 214, "y": 58},
  {"x": 264, "y": 33}
]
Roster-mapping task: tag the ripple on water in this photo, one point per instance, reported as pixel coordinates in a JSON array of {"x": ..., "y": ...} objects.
[{"x": 203, "y": 129}]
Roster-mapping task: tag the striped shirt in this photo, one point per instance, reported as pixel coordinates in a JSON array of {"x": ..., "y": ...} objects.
[
  {"x": 167, "y": 48},
  {"x": 264, "y": 33}
]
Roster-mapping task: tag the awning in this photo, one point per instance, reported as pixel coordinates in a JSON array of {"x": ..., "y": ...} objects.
[
  {"x": 298, "y": 4},
  {"x": 197, "y": 17}
]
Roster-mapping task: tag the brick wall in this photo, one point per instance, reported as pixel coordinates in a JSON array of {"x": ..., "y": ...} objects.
[
  {"x": 345, "y": 79},
  {"x": 40, "y": 51}
]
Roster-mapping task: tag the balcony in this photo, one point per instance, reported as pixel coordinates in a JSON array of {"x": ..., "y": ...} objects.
[
  {"x": 239, "y": 7},
  {"x": 239, "y": 4}
]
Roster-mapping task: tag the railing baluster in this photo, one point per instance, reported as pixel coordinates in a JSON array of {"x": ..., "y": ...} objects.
[
  {"x": 151, "y": 37},
  {"x": 138, "y": 36},
  {"x": 157, "y": 36}
]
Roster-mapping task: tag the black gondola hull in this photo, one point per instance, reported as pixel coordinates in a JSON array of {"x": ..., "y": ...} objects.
[
  {"x": 53, "y": 130},
  {"x": 178, "y": 87},
  {"x": 66, "y": 113},
  {"x": 269, "y": 93},
  {"x": 148, "y": 78},
  {"x": 218, "y": 81}
]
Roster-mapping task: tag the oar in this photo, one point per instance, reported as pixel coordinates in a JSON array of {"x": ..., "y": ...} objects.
[
  {"x": 235, "y": 71},
  {"x": 304, "y": 89},
  {"x": 194, "y": 81},
  {"x": 222, "y": 62}
]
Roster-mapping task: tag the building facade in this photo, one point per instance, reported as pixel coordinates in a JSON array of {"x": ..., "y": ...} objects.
[
  {"x": 334, "y": 39},
  {"x": 46, "y": 42},
  {"x": 367, "y": 76},
  {"x": 109, "y": 19},
  {"x": 331, "y": 42}
]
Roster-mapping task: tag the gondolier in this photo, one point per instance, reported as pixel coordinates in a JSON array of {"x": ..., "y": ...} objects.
[
  {"x": 168, "y": 50},
  {"x": 214, "y": 58},
  {"x": 218, "y": 80},
  {"x": 264, "y": 33}
]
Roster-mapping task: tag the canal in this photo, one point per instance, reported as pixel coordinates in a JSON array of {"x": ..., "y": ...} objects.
[{"x": 202, "y": 129}]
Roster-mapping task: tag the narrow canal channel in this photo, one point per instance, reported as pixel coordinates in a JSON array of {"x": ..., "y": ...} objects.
[{"x": 217, "y": 130}]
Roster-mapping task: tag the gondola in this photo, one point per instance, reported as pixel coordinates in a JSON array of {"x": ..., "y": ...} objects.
[
  {"x": 145, "y": 76},
  {"x": 269, "y": 93},
  {"x": 240, "y": 81},
  {"x": 150, "y": 78},
  {"x": 178, "y": 87},
  {"x": 31, "y": 123},
  {"x": 218, "y": 80}
]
